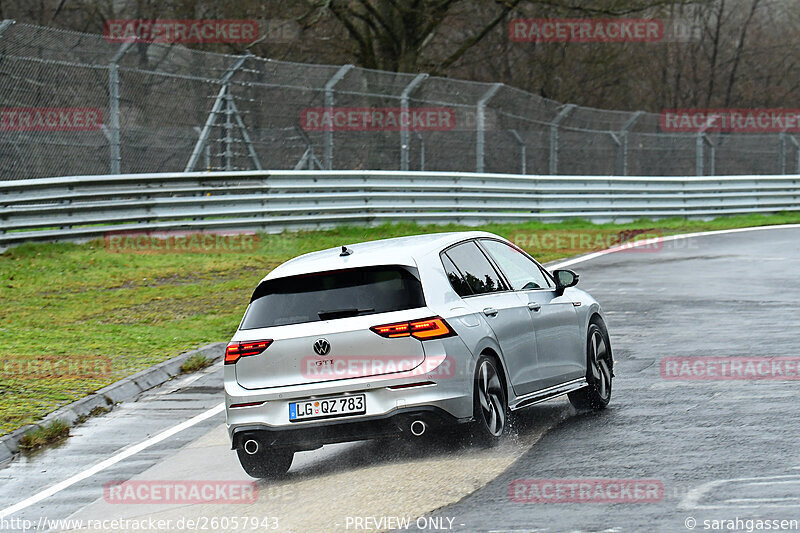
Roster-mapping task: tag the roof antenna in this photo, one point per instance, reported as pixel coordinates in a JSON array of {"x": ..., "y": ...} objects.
[{"x": 345, "y": 251}]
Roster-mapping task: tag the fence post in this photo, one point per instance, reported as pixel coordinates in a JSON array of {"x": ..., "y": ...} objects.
[
  {"x": 404, "y": 140},
  {"x": 113, "y": 106},
  {"x": 5, "y": 24},
  {"x": 421, "y": 150},
  {"x": 554, "y": 136},
  {"x": 782, "y": 151},
  {"x": 797, "y": 146},
  {"x": 522, "y": 150},
  {"x": 622, "y": 152},
  {"x": 481, "y": 125},
  {"x": 328, "y": 155},
  {"x": 699, "y": 154}
]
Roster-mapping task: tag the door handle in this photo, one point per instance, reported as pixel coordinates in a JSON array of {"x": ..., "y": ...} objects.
[
  {"x": 534, "y": 306},
  {"x": 490, "y": 311}
]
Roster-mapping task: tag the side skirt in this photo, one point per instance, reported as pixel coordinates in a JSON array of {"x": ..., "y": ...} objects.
[{"x": 548, "y": 393}]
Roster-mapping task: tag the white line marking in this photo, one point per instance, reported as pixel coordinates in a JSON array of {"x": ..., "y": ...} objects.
[
  {"x": 693, "y": 497},
  {"x": 762, "y": 500},
  {"x": 646, "y": 242},
  {"x": 114, "y": 459},
  {"x": 133, "y": 450}
]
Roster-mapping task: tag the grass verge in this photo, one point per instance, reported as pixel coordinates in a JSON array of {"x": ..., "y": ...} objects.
[
  {"x": 53, "y": 432},
  {"x": 110, "y": 314},
  {"x": 194, "y": 363}
]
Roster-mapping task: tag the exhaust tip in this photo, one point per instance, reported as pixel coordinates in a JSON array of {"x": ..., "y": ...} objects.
[
  {"x": 418, "y": 427},
  {"x": 251, "y": 447}
]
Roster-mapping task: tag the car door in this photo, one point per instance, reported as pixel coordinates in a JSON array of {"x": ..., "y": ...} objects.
[
  {"x": 554, "y": 318},
  {"x": 484, "y": 292}
]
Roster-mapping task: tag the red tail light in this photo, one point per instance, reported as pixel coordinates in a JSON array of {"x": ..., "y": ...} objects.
[
  {"x": 237, "y": 350},
  {"x": 429, "y": 328}
]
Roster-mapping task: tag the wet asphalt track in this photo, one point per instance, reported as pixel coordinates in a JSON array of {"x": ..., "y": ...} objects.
[
  {"x": 722, "y": 449},
  {"x": 723, "y": 295}
]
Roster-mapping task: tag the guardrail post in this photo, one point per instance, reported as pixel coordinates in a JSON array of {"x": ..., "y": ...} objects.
[
  {"x": 554, "y": 136},
  {"x": 113, "y": 106},
  {"x": 404, "y": 140},
  {"x": 328, "y": 153},
  {"x": 622, "y": 151},
  {"x": 481, "y": 125},
  {"x": 522, "y": 150}
]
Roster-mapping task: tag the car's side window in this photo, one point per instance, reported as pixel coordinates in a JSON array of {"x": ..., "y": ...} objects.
[
  {"x": 521, "y": 272},
  {"x": 478, "y": 273},
  {"x": 456, "y": 279}
]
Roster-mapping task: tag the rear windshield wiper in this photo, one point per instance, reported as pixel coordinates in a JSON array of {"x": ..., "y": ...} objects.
[{"x": 341, "y": 313}]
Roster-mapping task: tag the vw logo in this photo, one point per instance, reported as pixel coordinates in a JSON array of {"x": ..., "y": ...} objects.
[{"x": 322, "y": 347}]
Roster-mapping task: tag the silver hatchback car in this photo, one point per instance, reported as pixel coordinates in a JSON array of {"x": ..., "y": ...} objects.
[{"x": 405, "y": 336}]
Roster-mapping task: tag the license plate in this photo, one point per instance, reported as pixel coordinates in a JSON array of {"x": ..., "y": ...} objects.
[{"x": 355, "y": 404}]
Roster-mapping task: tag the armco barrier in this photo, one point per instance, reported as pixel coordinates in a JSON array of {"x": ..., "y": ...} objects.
[{"x": 85, "y": 207}]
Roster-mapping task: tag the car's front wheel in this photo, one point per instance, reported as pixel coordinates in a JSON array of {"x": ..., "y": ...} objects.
[
  {"x": 598, "y": 373},
  {"x": 265, "y": 462},
  {"x": 491, "y": 406}
]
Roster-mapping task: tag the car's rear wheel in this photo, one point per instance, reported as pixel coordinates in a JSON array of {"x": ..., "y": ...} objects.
[
  {"x": 265, "y": 462},
  {"x": 491, "y": 406},
  {"x": 599, "y": 373}
]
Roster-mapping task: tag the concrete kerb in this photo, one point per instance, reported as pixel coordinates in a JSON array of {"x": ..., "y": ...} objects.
[{"x": 126, "y": 389}]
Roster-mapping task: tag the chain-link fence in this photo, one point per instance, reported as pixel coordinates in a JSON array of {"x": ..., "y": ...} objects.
[{"x": 169, "y": 108}]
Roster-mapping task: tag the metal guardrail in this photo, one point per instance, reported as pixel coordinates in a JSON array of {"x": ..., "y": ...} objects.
[{"x": 85, "y": 207}]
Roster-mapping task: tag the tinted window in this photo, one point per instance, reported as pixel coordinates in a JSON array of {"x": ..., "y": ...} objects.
[
  {"x": 455, "y": 277},
  {"x": 520, "y": 271},
  {"x": 330, "y": 295},
  {"x": 478, "y": 272}
]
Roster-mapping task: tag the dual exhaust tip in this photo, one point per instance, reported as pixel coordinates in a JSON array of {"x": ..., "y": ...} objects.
[{"x": 418, "y": 428}]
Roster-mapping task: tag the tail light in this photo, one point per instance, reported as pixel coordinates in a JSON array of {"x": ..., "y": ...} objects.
[
  {"x": 237, "y": 350},
  {"x": 429, "y": 328}
]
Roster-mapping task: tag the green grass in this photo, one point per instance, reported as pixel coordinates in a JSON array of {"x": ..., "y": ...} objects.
[
  {"x": 194, "y": 363},
  {"x": 53, "y": 432},
  {"x": 119, "y": 313}
]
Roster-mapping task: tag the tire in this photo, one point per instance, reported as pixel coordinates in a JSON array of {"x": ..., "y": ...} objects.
[
  {"x": 266, "y": 463},
  {"x": 490, "y": 409},
  {"x": 599, "y": 371}
]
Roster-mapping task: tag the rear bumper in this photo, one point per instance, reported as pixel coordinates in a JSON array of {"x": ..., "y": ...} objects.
[{"x": 397, "y": 423}]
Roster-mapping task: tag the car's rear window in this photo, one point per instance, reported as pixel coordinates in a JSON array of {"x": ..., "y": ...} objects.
[{"x": 334, "y": 294}]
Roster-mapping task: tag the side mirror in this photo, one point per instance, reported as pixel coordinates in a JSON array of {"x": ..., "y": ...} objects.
[{"x": 564, "y": 279}]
